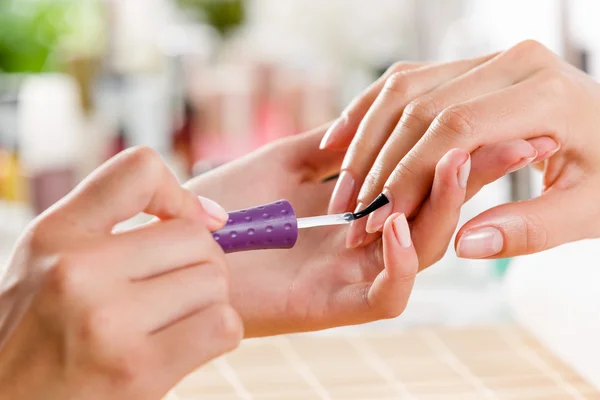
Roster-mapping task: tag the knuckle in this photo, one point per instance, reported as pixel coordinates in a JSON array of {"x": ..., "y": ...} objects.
[
  {"x": 529, "y": 48},
  {"x": 400, "y": 66},
  {"x": 423, "y": 110},
  {"x": 555, "y": 81},
  {"x": 99, "y": 327},
  {"x": 397, "y": 83},
  {"x": 144, "y": 157},
  {"x": 39, "y": 235},
  {"x": 228, "y": 325},
  {"x": 454, "y": 120},
  {"x": 68, "y": 277}
]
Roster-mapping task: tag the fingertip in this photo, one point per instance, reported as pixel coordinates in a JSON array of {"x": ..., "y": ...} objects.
[
  {"x": 331, "y": 139},
  {"x": 399, "y": 252},
  {"x": 452, "y": 172},
  {"x": 401, "y": 230},
  {"x": 545, "y": 147},
  {"x": 463, "y": 173},
  {"x": 215, "y": 216}
]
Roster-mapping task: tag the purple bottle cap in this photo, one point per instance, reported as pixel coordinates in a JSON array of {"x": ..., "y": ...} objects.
[{"x": 269, "y": 226}]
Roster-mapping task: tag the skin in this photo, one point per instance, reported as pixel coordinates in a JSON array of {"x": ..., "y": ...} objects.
[
  {"x": 320, "y": 283},
  {"x": 414, "y": 114},
  {"x": 86, "y": 314},
  {"x": 97, "y": 317}
]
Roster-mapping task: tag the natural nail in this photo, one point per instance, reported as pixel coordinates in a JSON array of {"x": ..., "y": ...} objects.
[
  {"x": 342, "y": 194},
  {"x": 480, "y": 243},
  {"x": 402, "y": 231},
  {"x": 357, "y": 233},
  {"x": 377, "y": 219},
  {"x": 522, "y": 163},
  {"x": 333, "y": 132},
  {"x": 463, "y": 173},
  {"x": 552, "y": 152},
  {"x": 213, "y": 209}
]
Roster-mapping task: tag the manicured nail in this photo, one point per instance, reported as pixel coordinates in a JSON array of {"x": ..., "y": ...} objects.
[
  {"x": 213, "y": 209},
  {"x": 342, "y": 194},
  {"x": 463, "y": 173},
  {"x": 402, "y": 231},
  {"x": 333, "y": 132},
  {"x": 480, "y": 243},
  {"x": 356, "y": 233},
  {"x": 552, "y": 152},
  {"x": 377, "y": 219},
  {"x": 522, "y": 163}
]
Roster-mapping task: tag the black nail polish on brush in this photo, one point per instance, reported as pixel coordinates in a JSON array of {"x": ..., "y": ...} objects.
[{"x": 379, "y": 202}]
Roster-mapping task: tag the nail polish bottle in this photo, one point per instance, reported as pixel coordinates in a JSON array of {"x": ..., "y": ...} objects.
[{"x": 50, "y": 127}]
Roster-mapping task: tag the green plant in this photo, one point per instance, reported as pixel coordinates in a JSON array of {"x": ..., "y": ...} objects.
[
  {"x": 223, "y": 15},
  {"x": 33, "y": 32}
]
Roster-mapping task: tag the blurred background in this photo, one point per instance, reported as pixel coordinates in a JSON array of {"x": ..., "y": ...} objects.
[{"x": 206, "y": 81}]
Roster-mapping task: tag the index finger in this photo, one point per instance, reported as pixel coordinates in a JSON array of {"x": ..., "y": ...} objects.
[
  {"x": 134, "y": 181},
  {"x": 527, "y": 110}
]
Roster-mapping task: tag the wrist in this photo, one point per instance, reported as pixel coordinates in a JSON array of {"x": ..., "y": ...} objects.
[{"x": 26, "y": 370}]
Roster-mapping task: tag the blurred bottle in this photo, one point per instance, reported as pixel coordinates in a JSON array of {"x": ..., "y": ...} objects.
[
  {"x": 50, "y": 127},
  {"x": 11, "y": 175}
]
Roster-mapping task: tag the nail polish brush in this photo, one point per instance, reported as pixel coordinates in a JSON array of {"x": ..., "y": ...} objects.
[{"x": 275, "y": 225}]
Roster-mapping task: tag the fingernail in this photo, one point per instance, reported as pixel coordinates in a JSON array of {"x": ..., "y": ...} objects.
[
  {"x": 402, "y": 231},
  {"x": 552, "y": 152},
  {"x": 213, "y": 209},
  {"x": 480, "y": 243},
  {"x": 522, "y": 163},
  {"x": 377, "y": 219},
  {"x": 332, "y": 132},
  {"x": 357, "y": 233},
  {"x": 463, "y": 173},
  {"x": 344, "y": 189}
]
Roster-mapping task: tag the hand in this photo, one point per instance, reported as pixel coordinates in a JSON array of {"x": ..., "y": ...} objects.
[
  {"x": 92, "y": 314},
  {"x": 319, "y": 283},
  {"x": 526, "y": 92}
]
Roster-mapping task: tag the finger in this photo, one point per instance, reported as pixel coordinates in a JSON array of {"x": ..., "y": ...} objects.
[
  {"x": 341, "y": 132},
  {"x": 527, "y": 227},
  {"x": 437, "y": 220},
  {"x": 311, "y": 162},
  {"x": 527, "y": 110},
  {"x": 159, "y": 248},
  {"x": 134, "y": 181},
  {"x": 388, "y": 295},
  {"x": 379, "y": 122},
  {"x": 198, "y": 339},
  {"x": 546, "y": 148},
  {"x": 177, "y": 294},
  {"x": 491, "y": 162},
  {"x": 425, "y": 112}
]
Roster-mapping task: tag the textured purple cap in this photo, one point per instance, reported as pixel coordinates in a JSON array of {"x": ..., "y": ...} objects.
[{"x": 269, "y": 226}]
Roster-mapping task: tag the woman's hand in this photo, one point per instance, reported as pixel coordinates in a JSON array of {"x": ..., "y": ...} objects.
[
  {"x": 92, "y": 314},
  {"x": 401, "y": 127},
  {"x": 320, "y": 283}
]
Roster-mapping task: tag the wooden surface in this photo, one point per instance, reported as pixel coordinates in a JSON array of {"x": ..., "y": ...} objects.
[{"x": 466, "y": 364}]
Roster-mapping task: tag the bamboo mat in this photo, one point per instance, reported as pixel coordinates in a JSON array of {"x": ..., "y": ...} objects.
[{"x": 462, "y": 364}]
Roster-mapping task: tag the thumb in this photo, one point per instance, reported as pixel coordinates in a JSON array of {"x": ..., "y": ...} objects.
[
  {"x": 390, "y": 291},
  {"x": 313, "y": 163},
  {"x": 554, "y": 218},
  {"x": 133, "y": 182}
]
